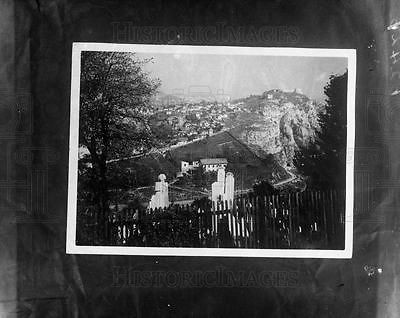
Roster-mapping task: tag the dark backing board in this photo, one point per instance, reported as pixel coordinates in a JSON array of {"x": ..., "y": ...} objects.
[{"x": 39, "y": 277}]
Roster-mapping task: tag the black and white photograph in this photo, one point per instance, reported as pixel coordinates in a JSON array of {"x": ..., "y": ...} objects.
[
  {"x": 211, "y": 151},
  {"x": 200, "y": 158}
]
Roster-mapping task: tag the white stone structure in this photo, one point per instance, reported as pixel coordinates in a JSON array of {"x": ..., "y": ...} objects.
[
  {"x": 221, "y": 175},
  {"x": 218, "y": 187},
  {"x": 160, "y": 198},
  {"x": 229, "y": 187},
  {"x": 223, "y": 189}
]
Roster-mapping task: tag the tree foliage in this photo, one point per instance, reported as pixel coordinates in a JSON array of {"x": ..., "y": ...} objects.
[
  {"x": 323, "y": 162},
  {"x": 264, "y": 188},
  {"x": 115, "y": 104}
]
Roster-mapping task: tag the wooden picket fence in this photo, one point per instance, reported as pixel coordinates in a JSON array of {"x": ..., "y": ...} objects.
[{"x": 309, "y": 219}]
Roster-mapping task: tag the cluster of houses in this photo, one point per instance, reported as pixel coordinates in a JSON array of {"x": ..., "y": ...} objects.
[
  {"x": 208, "y": 164},
  {"x": 192, "y": 121}
]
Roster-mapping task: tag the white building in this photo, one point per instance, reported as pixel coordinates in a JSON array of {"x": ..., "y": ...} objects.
[
  {"x": 213, "y": 164},
  {"x": 298, "y": 91},
  {"x": 187, "y": 166}
]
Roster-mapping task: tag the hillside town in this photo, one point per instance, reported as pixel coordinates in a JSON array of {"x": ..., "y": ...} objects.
[
  {"x": 199, "y": 171},
  {"x": 192, "y": 121},
  {"x": 259, "y": 120}
]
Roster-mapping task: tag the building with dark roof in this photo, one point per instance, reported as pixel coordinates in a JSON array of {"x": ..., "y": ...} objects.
[{"x": 213, "y": 164}]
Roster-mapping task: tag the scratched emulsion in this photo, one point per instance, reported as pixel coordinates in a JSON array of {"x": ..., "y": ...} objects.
[
  {"x": 388, "y": 301},
  {"x": 52, "y": 284}
]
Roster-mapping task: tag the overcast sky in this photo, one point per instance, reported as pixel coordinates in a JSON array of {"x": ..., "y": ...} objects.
[{"x": 239, "y": 76}]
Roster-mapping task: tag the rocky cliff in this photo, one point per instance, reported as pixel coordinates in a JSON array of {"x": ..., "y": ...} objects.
[{"x": 278, "y": 123}]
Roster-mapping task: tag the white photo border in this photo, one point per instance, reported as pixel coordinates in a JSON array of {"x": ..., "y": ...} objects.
[{"x": 72, "y": 248}]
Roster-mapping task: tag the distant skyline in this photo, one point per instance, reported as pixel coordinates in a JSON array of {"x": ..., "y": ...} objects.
[{"x": 242, "y": 75}]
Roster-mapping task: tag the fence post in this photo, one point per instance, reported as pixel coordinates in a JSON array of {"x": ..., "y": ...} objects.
[
  {"x": 273, "y": 221},
  {"x": 238, "y": 221},
  {"x": 257, "y": 223},
  {"x": 236, "y": 207},
  {"x": 213, "y": 226},
  {"x": 297, "y": 215},
  {"x": 199, "y": 222},
  {"x": 245, "y": 221},
  {"x": 265, "y": 223},
  {"x": 243, "y": 236},
  {"x": 290, "y": 210},
  {"x": 323, "y": 199},
  {"x": 232, "y": 221},
  {"x": 252, "y": 209},
  {"x": 332, "y": 210}
]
